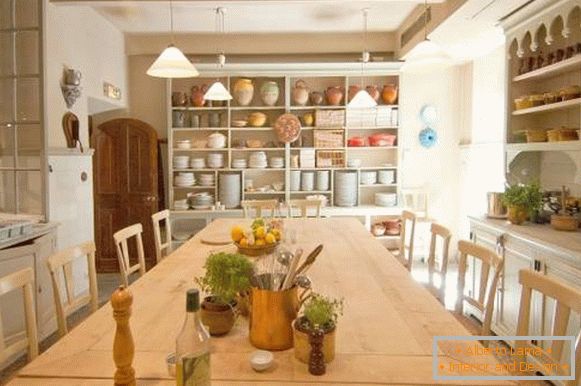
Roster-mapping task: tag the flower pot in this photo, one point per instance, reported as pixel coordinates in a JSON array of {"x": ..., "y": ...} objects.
[
  {"x": 303, "y": 347},
  {"x": 218, "y": 317},
  {"x": 269, "y": 93},
  {"x": 300, "y": 93},
  {"x": 389, "y": 94},
  {"x": 243, "y": 91},
  {"x": 517, "y": 214}
]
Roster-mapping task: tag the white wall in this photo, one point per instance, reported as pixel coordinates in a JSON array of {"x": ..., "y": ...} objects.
[{"x": 80, "y": 38}]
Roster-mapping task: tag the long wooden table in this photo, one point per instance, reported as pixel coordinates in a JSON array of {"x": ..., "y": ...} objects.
[{"x": 384, "y": 336}]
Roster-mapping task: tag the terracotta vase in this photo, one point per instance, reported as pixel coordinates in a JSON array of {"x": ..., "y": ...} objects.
[
  {"x": 269, "y": 93},
  {"x": 373, "y": 91},
  {"x": 302, "y": 348},
  {"x": 218, "y": 317},
  {"x": 353, "y": 90},
  {"x": 517, "y": 214},
  {"x": 197, "y": 97},
  {"x": 316, "y": 98},
  {"x": 243, "y": 91},
  {"x": 334, "y": 95},
  {"x": 300, "y": 93},
  {"x": 389, "y": 94}
]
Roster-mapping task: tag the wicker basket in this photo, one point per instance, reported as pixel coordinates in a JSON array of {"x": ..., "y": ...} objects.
[
  {"x": 330, "y": 158},
  {"x": 334, "y": 118},
  {"x": 536, "y": 135},
  {"x": 329, "y": 138},
  {"x": 563, "y": 134}
]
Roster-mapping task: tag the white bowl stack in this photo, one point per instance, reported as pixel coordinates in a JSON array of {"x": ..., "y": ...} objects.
[
  {"x": 322, "y": 180},
  {"x": 229, "y": 187},
  {"x": 181, "y": 204},
  {"x": 385, "y": 199},
  {"x": 239, "y": 163},
  {"x": 184, "y": 144},
  {"x": 216, "y": 160},
  {"x": 184, "y": 179},
  {"x": 276, "y": 162},
  {"x": 368, "y": 177},
  {"x": 207, "y": 180},
  {"x": 201, "y": 200},
  {"x": 180, "y": 161},
  {"x": 295, "y": 180},
  {"x": 345, "y": 188},
  {"x": 307, "y": 181},
  {"x": 386, "y": 176},
  {"x": 257, "y": 160},
  {"x": 216, "y": 141},
  {"x": 197, "y": 163}
]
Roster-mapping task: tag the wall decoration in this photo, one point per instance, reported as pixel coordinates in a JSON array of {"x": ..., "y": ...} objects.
[
  {"x": 111, "y": 91},
  {"x": 428, "y": 137},
  {"x": 71, "y": 86},
  {"x": 429, "y": 117}
]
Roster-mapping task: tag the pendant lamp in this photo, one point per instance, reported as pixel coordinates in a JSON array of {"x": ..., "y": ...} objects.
[
  {"x": 362, "y": 99},
  {"x": 217, "y": 91}
]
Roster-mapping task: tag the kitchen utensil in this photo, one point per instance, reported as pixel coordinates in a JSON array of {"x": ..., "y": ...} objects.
[
  {"x": 292, "y": 269},
  {"x": 303, "y": 281},
  {"x": 496, "y": 208},
  {"x": 309, "y": 260}
]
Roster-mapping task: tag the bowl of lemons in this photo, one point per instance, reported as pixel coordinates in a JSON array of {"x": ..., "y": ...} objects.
[{"x": 260, "y": 239}]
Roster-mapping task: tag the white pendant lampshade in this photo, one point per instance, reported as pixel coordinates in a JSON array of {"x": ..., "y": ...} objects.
[
  {"x": 172, "y": 63},
  {"x": 217, "y": 92},
  {"x": 362, "y": 100},
  {"x": 427, "y": 56}
]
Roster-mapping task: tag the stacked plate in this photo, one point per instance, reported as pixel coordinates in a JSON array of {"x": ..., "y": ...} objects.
[
  {"x": 197, "y": 163},
  {"x": 181, "y": 204},
  {"x": 322, "y": 180},
  {"x": 184, "y": 144},
  {"x": 368, "y": 177},
  {"x": 201, "y": 200},
  {"x": 386, "y": 176},
  {"x": 257, "y": 160},
  {"x": 308, "y": 181},
  {"x": 239, "y": 163},
  {"x": 276, "y": 162},
  {"x": 345, "y": 188},
  {"x": 180, "y": 161},
  {"x": 385, "y": 199},
  {"x": 229, "y": 189},
  {"x": 207, "y": 179},
  {"x": 295, "y": 180},
  {"x": 215, "y": 160},
  {"x": 184, "y": 179}
]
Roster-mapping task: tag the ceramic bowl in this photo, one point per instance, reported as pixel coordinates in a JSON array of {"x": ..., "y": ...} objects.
[
  {"x": 239, "y": 123},
  {"x": 257, "y": 119},
  {"x": 261, "y": 360}
]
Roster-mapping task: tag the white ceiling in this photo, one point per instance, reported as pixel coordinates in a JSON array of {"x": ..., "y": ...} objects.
[{"x": 255, "y": 16}]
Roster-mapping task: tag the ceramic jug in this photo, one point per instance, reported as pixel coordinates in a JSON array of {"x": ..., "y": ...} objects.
[
  {"x": 197, "y": 97},
  {"x": 316, "y": 98},
  {"x": 334, "y": 95},
  {"x": 300, "y": 93},
  {"x": 353, "y": 90},
  {"x": 243, "y": 91},
  {"x": 389, "y": 94},
  {"x": 269, "y": 92}
]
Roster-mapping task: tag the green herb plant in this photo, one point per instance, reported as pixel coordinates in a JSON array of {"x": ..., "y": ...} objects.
[
  {"x": 227, "y": 275},
  {"x": 528, "y": 197},
  {"x": 321, "y": 311}
]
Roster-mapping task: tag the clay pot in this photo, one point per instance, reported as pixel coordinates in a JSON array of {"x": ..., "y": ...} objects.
[
  {"x": 389, "y": 94},
  {"x": 373, "y": 91},
  {"x": 300, "y": 93},
  {"x": 316, "y": 98},
  {"x": 353, "y": 90},
  {"x": 256, "y": 119},
  {"x": 197, "y": 97},
  {"x": 243, "y": 91},
  {"x": 334, "y": 95},
  {"x": 517, "y": 214},
  {"x": 302, "y": 347},
  {"x": 269, "y": 93},
  {"x": 219, "y": 318},
  {"x": 179, "y": 98},
  {"x": 308, "y": 119}
]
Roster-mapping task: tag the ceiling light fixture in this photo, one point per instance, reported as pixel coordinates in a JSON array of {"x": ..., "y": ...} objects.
[
  {"x": 427, "y": 56},
  {"x": 217, "y": 91},
  {"x": 362, "y": 99},
  {"x": 172, "y": 63}
]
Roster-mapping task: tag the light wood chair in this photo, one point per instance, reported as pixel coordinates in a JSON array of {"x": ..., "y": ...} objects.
[
  {"x": 304, "y": 205},
  {"x": 567, "y": 299},
  {"x": 63, "y": 262},
  {"x": 162, "y": 247},
  {"x": 258, "y": 206},
  {"x": 408, "y": 227},
  {"x": 439, "y": 267},
  {"x": 121, "y": 237},
  {"x": 21, "y": 279},
  {"x": 483, "y": 299}
]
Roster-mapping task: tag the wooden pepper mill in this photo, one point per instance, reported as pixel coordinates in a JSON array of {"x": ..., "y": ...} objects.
[
  {"x": 316, "y": 358},
  {"x": 123, "y": 346}
]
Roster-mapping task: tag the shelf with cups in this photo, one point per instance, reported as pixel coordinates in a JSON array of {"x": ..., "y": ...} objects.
[{"x": 192, "y": 108}]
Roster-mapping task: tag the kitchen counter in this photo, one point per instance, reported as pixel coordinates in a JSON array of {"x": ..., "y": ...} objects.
[{"x": 39, "y": 229}]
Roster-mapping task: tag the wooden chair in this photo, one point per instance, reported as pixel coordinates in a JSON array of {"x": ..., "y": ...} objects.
[
  {"x": 567, "y": 299},
  {"x": 125, "y": 266},
  {"x": 162, "y": 248},
  {"x": 258, "y": 206},
  {"x": 438, "y": 231},
  {"x": 21, "y": 279},
  {"x": 63, "y": 262},
  {"x": 304, "y": 205},
  {"x": 407, "y": 219},
  {"x": 486, "y": 288}
]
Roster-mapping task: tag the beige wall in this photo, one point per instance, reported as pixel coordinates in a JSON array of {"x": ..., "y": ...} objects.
[{"x": 79, "y": 38}]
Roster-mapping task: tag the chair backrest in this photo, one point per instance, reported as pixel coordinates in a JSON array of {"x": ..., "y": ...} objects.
[
  {"x": 486, "y": 288},
  {"x": 567, "y": 299},
  {"x": 125, "y": 266},
  {"x": 304, "y": 205},
  {"x": 258, "y": 206},
  {"x": 408, "y": 230},
  {"x": 21, "y": 279},
  {"x": 440, "y": 267},
  {"x": 63, "y": 262},
  {"x": 415, "y": 200},
  {"x": 162, "y": 247}
]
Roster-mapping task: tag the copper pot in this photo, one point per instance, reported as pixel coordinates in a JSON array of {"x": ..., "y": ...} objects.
[
  {"x": 316, "y": 98},
  {"x": 197, "y": 97},
  {"x": 334, "y": 95}
]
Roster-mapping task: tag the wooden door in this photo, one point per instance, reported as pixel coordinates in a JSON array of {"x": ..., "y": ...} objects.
[{"x": 125, "y": 186}]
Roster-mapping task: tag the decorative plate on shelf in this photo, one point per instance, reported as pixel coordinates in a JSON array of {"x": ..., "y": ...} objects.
[{"x": 287, "y": 128}]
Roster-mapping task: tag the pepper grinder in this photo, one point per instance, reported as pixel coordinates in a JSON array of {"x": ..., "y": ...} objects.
[{"x": 316, "y": 358}]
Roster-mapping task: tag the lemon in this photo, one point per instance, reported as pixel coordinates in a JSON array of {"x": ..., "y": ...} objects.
[
  {"x": 270, "y": 238},
  {"x": 237, "y": 233},
  {"x": 260, "y": 232},
  {"x": 243, "y": 242},
  {"x": 276, "y": 233},
  {"x": 259, "y": 242}
]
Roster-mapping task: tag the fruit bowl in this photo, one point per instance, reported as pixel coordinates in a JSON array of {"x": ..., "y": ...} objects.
[{"x": 256, "y": 250}]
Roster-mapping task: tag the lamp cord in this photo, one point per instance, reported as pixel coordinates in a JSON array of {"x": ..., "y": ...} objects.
[
  {"x": 425, "y": 19},
  {"x": 171, "y": 22}
]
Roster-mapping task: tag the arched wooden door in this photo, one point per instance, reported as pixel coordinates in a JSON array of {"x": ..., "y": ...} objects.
[{"x": 125, "y": 185}]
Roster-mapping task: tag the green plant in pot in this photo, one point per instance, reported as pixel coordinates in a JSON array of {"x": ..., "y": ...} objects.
[
  {"x": 227, "y": 276},
  {"x": 522, "y": 201},
  {"x": 321, "y": 312}
]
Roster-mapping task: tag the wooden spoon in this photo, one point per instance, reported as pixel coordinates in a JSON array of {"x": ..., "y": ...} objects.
[{"x": 309, "y": 260}]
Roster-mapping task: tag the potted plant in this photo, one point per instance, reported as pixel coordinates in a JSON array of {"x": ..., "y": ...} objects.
[
  {"x": 227, "y": 275},
  {"x": 318, "y": 312},
  {"x": 522, "y": 201}
]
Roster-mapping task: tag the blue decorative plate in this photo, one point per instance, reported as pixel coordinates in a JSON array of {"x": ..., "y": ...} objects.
[{"x": 428, "y": 137}]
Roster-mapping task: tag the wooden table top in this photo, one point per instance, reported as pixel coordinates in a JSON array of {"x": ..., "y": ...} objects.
[{"x": 384, "y": 336}]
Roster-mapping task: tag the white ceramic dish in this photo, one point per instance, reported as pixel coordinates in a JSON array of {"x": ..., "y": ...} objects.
[{"x": 261, "y": 360}]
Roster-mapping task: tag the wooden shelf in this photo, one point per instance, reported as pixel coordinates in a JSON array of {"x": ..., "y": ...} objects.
[
  {"x": 567, "y": 65},
  {"x": 238, "y": 108},
  {"x": 545, "y": 146},
  {"x": 550, "y": 107},
  {"x": 189, "y": 108}
]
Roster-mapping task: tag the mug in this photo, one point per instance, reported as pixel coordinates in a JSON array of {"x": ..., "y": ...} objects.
[{"x": 178, "y": 118}]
